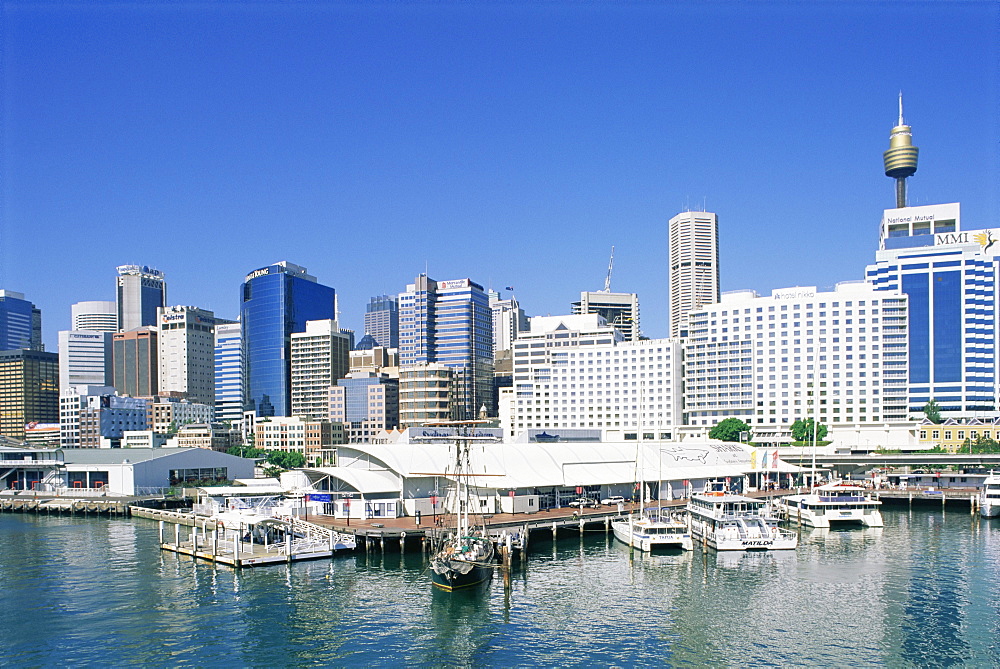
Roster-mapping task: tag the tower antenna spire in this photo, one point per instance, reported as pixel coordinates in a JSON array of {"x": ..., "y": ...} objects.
[{"x": 901, "y": 158}]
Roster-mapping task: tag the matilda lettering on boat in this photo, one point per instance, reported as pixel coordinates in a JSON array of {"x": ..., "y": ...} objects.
[{"x": 750, "y": 543}]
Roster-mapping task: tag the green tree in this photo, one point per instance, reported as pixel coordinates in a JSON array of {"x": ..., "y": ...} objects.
[
  {"x": 729, "y": 429},
  {"x": 286, "y": 459},
  {"x": 802, "y": 430},
  {"x": 933, "y": 412},
  {"x": 247, "y": 452}
]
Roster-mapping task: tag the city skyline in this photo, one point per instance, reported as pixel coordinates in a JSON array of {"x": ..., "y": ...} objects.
[{"x": 512, "y": 145}]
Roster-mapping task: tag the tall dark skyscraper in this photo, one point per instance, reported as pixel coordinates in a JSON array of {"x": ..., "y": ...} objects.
[
  {"x": 382, "y": 321},
  {"x": 275, "y": 302},
  {"x": 20, "y": 323},
  {"x": 140, "y": 291}
]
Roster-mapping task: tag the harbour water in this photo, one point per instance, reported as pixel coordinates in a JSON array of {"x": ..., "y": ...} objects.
[{"x": 923, "y": 591}]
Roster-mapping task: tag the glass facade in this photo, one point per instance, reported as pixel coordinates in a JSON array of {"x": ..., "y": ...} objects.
[
  {"x": 277, "y": 301},
  {"x": 17, "y": 322}
]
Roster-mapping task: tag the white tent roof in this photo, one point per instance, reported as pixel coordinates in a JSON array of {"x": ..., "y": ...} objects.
[{"x": 381, "y": 468}]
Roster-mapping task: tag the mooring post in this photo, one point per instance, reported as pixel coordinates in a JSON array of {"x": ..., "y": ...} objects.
[{"x": 177, "y": 535}]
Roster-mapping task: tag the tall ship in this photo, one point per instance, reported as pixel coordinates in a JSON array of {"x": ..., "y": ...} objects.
[
  {"x": 728, "y": 522},
  {"x": 837, "y": 503},
  {"x": 989, "y": 497},
  {"x": 466, "y": 556}
]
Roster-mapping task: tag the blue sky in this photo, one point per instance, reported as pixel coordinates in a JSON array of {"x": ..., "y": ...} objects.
[{"x": 512, "y": 143}]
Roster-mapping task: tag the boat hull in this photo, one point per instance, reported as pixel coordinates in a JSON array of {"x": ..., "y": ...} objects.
[
  {"x": 649, "y": 543},
  {"x": 453, "y": 579},
  {"x": 989, "y": 509}
]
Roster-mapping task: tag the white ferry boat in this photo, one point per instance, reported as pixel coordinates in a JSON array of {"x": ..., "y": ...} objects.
[
  {"x": 648, "y": 533},
  {"x": 729, "y": 522},
  {"x": 989, "y": 497},
  {"x": 840, "y": 502}
]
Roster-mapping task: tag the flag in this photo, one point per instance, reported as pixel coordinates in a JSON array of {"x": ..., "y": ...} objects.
[
  {"x": 510, "y": 288},
  {"x": 753, "y": 459},
  {"x": 774, "y": 460}
]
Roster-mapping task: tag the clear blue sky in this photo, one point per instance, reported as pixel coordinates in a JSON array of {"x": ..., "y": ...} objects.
[{"x": 512, "y": 143}]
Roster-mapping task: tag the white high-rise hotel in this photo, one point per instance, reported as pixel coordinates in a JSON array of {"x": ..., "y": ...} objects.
[
  {"x": 694, "y": 266},
  {"x": 765, "y": 359}
]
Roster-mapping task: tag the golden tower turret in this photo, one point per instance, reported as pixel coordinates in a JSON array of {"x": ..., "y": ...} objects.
[{"x": 901, "y": 158}]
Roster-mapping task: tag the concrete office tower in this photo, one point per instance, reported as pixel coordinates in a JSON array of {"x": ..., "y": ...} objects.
[
  {"x": 508, "y": 320},
  {"x": 950, "y": 276},
  {"x": 382, "y": 320},
  {"x": 275, "y": 302},
  {"x": 426, "y": 394},
  {"x": 450, "y": 323},
  {"x": 107, "y": 417},
  {"x": 320, "y": 356},
  {"x": 134, "y": 362},
  {"x": 20, "y": 323},
  {"x": 765, "y": 359},
  {"x": 140, "y": 291},
  {"x": 84, "y": 358},
  {"x": 95, "y": 316},
  {"x": 228, "y": 373},
  {"x": 577, "y": 372},
  {"x": 366, "y": 403},
  {"x": 901, "y": 158},
  {"x": 71, "y": 400},
  {"x": 187, "y": 353},
  {"x": 620, "y": 310},
  {"x": 29, "y": 390},
  {"x": 694, "y": 266}
]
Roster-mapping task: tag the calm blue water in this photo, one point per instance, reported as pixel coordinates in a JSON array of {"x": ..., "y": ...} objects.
[{"x": 924, "y": 591}]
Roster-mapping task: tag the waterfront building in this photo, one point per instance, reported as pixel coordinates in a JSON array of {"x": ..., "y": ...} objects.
[
  {"x": 508, "y": 321},
  {"x": 95, "y": 316},
  {"x": 275, "y": 302},
  {"x": 577, "y": 371},
  {"x": 302, "y": 435},
  {"x": 84, "y": 358},
  {"x": 140, "y": 291},
  {"x": 958, "y": 435},
  {"x": 382, "y": 320},
  {"x": 186, "y": 356},
  {"x": 950, "y": 276},
  {"x": 693, "y": 270},
  {"x": 366, "y": 403},
  {"x": 838, "y": 356},
  {"x": 71, "y": 400},
  {"x": 166, "y": 415},
  {"x": 213, "y": 436},
  {"x": 319, "y": 356},
  {"x": 425, "y": 394},
  {"x": 620, "y": 310},
  {"x": 134, "y": 362},
  {"x": 20, "y": 323},
  {"x": 229, "y": 373},
  {"x": 450, "y": 323},
  {"x": 29, "y": 390},
  {"x": 105, "y": 418}
]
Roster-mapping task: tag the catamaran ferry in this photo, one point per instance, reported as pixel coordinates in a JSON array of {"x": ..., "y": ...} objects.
[
  {"x": 648, "y": 532},
  {"x": 989, "y": 497},
  {"x": 839, "y": 502},
  {"x": 735, "y": 523}
]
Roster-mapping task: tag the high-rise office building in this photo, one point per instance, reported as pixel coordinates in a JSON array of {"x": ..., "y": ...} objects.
[
  {"x": 620, "y": 310},
  {"x": 84, "y": 358},
  {"x": 186, "y": 358},
  {"x": 450, "y": 322},
  {"x": 29, "y": 390},
  {"x": 320, "y": 356},
  {"x": 382, "y": 320},
  {"x": 228, "y": 373},
  {"x": 95, "y": 316},
  {"x": 20, "y": 323},
  {"x": 950, "y": 277},
  {"x": 366, "y": 403},
  {"x": 275, "y": 302},
  {"x": 426, "y": 394},
  {"x": 140, "y": 291},
  {"x": 134, "y": 362},
  {"x": 72, "y": 400},
  {"x": 693, "y": 273},
  {"x": 508, "y": 320}
]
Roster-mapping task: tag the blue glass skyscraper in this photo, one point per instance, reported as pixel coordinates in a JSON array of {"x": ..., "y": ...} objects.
[
  {"x": 20, "y": 323},
  {"x": 382, "y": 321},
  {"x": 275, "y": 302},
  {"x": 950, "y": 278}
]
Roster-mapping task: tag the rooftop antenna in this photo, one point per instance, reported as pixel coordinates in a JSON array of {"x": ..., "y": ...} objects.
[{"x": 607, "y": 279}]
